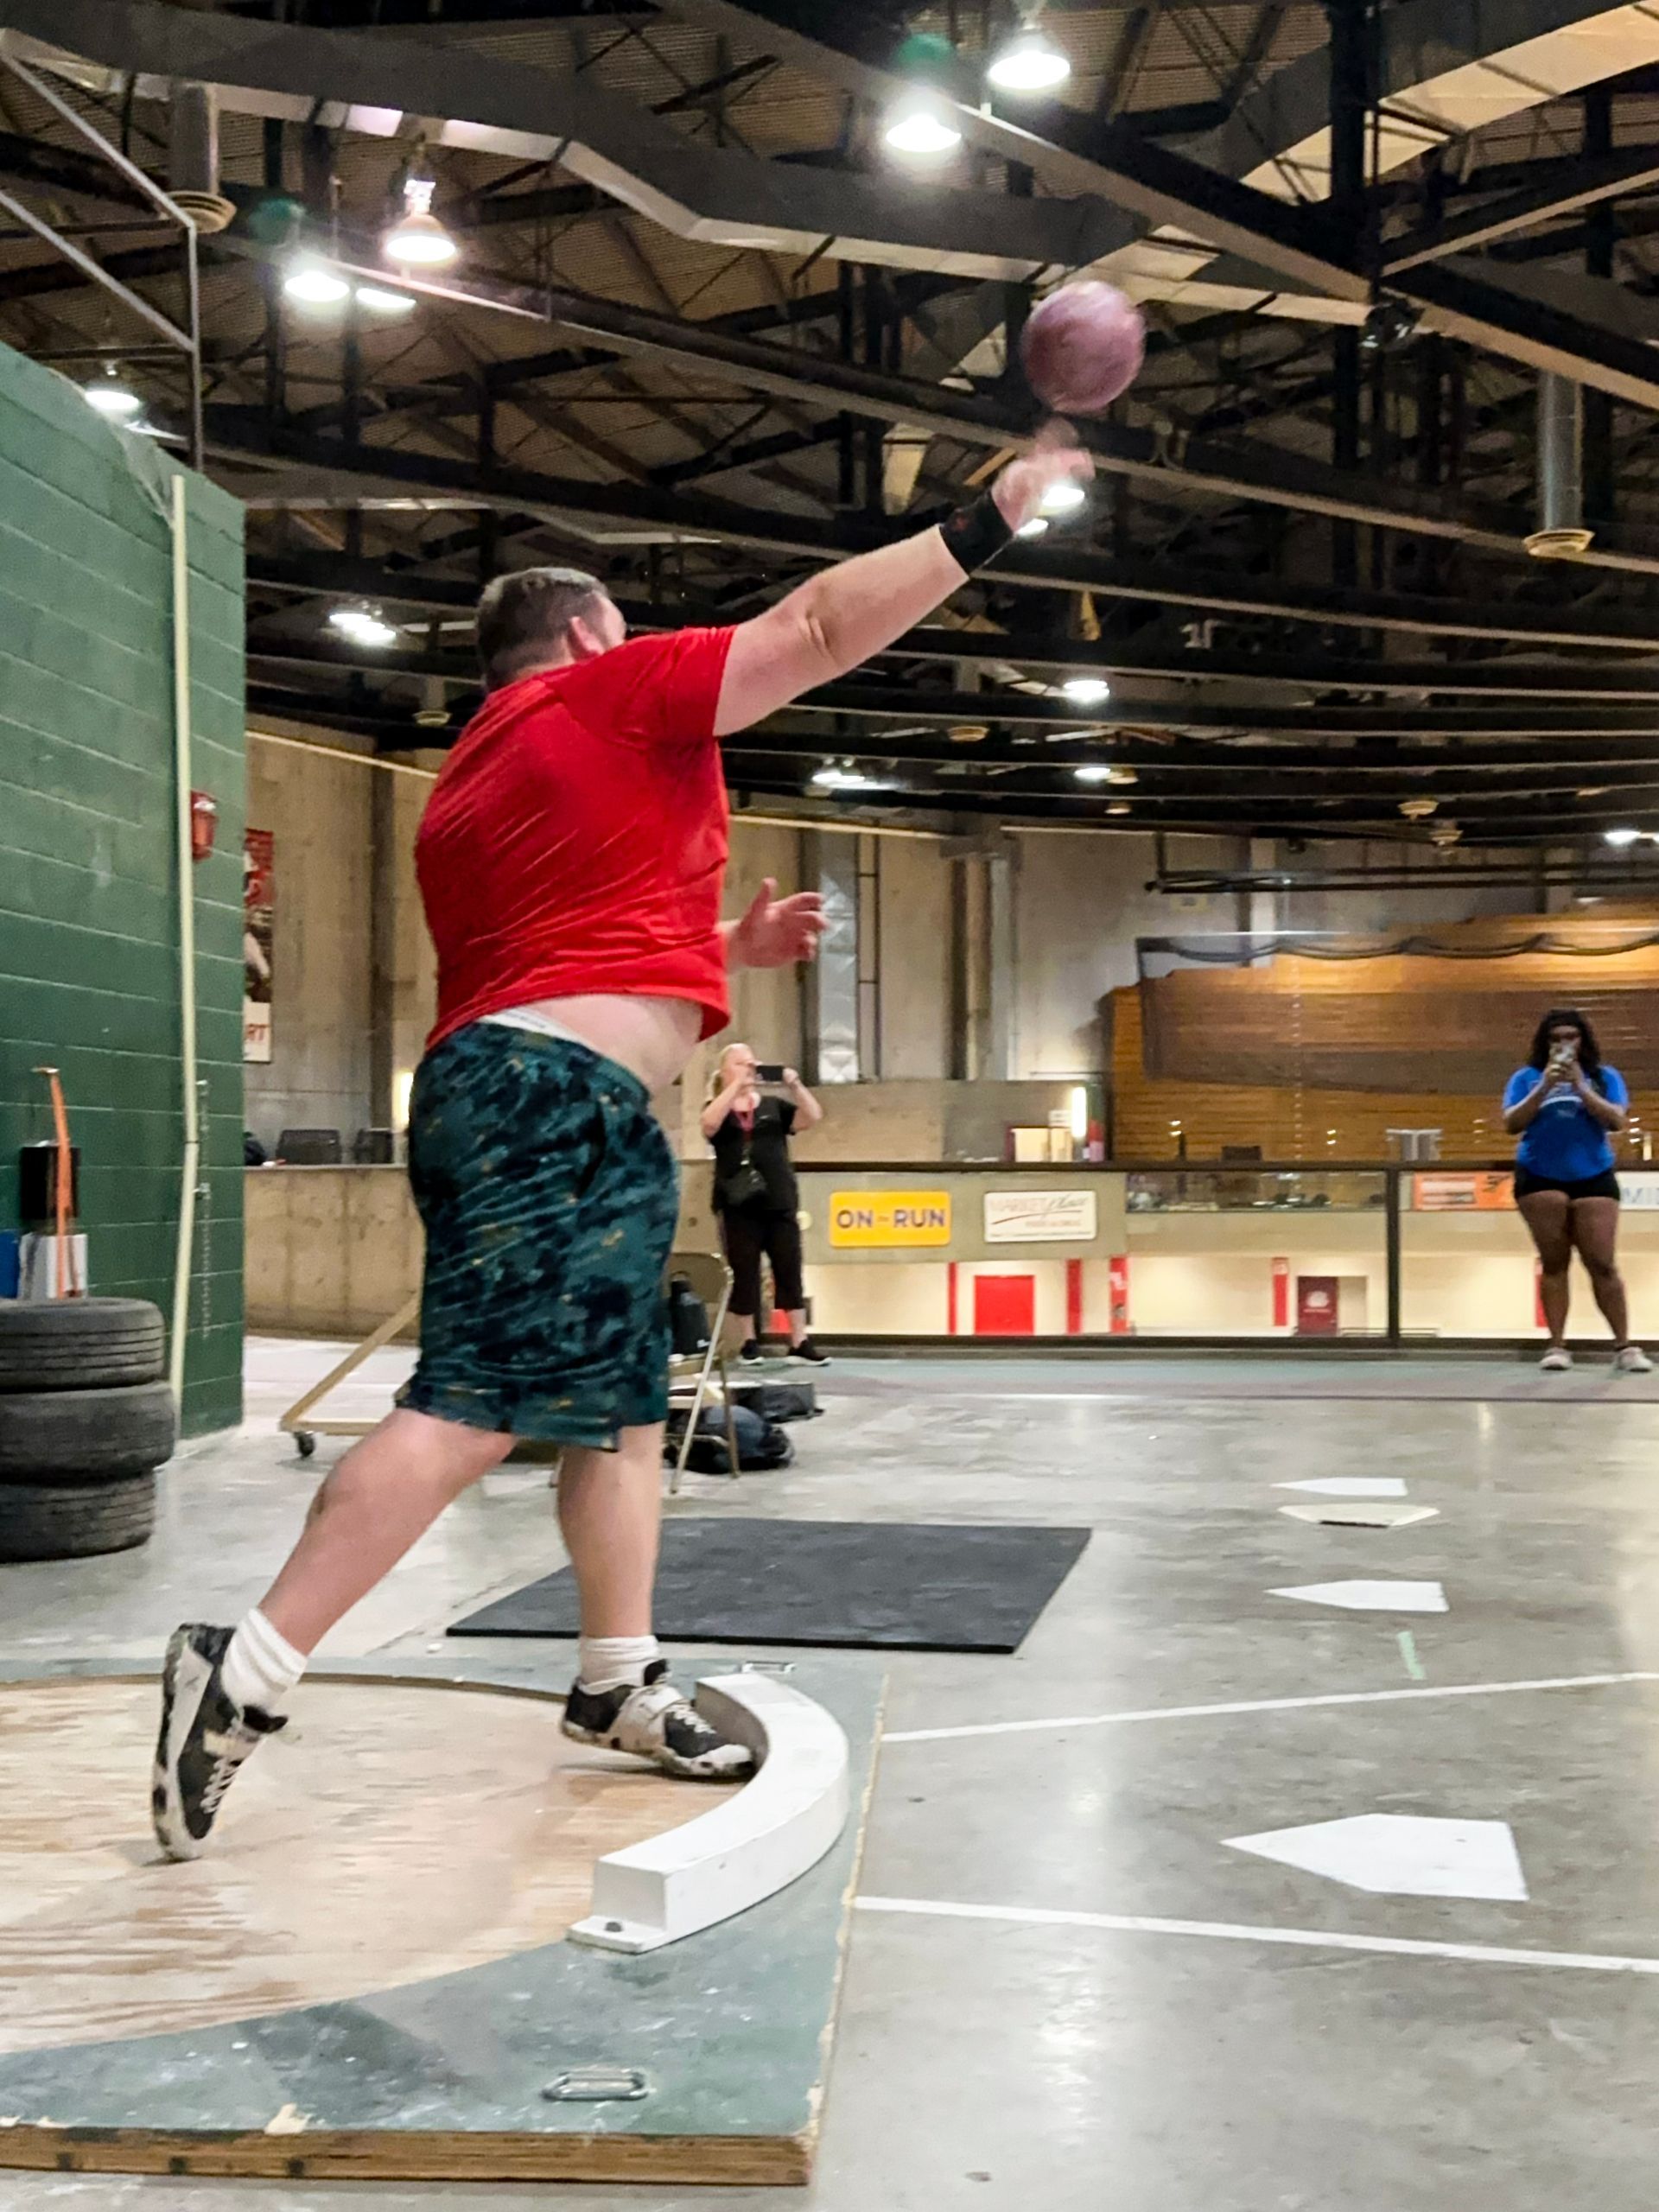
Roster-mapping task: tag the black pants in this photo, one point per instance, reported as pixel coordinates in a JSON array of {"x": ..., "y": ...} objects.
[{"x": 751, "y": 1233}]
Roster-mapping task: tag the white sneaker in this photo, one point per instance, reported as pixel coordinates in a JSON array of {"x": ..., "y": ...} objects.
[
  {"x": 1632, "y": 1360},
  {"x": 1556, "y": 1360}
]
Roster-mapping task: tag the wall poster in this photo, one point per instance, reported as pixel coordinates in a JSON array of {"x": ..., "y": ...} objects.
[{"x": 258, "y": 854}]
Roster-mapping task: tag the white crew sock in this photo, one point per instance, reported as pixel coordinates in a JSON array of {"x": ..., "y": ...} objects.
[
  {"x": 261, "y": 1667},
  {"x": 606, "y": 1663}
]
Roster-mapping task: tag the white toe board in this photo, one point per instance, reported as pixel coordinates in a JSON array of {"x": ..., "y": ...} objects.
[{"x": 752, "y": 1843}]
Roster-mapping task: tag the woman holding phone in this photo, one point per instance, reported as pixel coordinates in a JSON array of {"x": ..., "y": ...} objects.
[
  {"x": 1567, "y": 1105},
  {"x": 748, "y": 1121}
]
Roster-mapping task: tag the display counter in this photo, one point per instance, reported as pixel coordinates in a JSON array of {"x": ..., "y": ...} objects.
[{"x": 1194, "y": 1250}]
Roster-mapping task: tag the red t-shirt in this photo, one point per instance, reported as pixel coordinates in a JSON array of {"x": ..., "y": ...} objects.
[{"x": 576, "y": 840}]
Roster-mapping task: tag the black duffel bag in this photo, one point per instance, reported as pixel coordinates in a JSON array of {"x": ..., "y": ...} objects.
[{"x": 760, "y": 1444}]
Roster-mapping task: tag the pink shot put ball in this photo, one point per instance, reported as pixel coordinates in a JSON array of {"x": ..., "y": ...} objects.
[{"x": 1082, "y": 346}]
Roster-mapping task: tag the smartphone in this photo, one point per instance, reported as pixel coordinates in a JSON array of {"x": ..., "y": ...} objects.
[{"x": 767, "y": 1073}]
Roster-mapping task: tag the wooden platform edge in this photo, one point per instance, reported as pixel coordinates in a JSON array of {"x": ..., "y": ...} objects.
[{"x": 734, "y": 2161}]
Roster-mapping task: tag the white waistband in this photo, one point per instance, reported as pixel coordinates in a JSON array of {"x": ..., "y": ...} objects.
[{"x": 543, "y": 1024}]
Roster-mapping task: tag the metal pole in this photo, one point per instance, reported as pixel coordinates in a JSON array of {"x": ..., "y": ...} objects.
[
  {"x": 1601, "y": 234},
  {"x": 1351, "y": 39},
  {"x": 1560, "y": 453},
  {"x": 189, "y": 1099},
  {"x": 192, "y": 318},
  {"x": 1394, "y": 1190}
]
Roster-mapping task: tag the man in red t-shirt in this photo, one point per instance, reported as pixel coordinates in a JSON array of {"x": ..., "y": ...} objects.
[{"x": 571, "y": 862}]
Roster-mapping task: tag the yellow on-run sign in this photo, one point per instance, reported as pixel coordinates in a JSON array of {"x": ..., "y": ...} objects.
[{"x": 884, "y": 1220}]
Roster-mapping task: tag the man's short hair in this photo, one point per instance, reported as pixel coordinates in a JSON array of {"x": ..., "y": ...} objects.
[{"x": 525, "y": 618}]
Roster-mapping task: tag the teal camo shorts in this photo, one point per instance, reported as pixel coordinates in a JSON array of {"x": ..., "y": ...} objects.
[{"x": 549, "y": 1198}]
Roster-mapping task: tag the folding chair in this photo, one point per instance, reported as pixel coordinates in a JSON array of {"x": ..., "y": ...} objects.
[{"x": 710, "y": 1279}]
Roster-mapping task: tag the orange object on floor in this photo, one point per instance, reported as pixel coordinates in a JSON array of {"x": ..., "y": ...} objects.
[{"x": 63, "y": 1181}]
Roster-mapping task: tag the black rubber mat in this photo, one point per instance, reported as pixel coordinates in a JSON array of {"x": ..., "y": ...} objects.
[{"x": 880, "y": 1586}]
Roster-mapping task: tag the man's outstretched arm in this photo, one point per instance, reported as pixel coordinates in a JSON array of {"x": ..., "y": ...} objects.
[{"x": 836, "y": 619}]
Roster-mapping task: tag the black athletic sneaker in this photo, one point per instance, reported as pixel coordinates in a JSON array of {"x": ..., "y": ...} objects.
[
  {"x": 750, "y": 1352},
  {"x": 809, "y": 1355},
  {"x": 654, "y": 1722},
  {"x": 203, "y": 1742}
]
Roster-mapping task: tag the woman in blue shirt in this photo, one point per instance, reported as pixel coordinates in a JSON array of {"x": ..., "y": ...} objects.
[{"x": 1566, "y": 1106}]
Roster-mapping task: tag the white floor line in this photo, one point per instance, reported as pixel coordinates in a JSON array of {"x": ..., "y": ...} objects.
[
  {"x": 1304, "y": 1939},
  {"x": 1260, "y": 1705}
]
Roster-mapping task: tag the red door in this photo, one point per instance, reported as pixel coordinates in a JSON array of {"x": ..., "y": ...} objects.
[
  {"x": 1005, "y": 1305},
  {"x": 1316, "y": 1306}
]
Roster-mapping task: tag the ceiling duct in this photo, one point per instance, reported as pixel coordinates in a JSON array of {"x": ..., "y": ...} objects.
[
  {"x": 1560, "y": 535},
  {"x": 193, "y": 156}
]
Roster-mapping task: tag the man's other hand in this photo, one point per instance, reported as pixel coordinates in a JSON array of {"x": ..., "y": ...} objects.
[{"x": 778, "y": 932}]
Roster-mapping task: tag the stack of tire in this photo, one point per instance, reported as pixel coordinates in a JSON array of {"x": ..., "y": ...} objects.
[{"x": 86, "y": 1418}]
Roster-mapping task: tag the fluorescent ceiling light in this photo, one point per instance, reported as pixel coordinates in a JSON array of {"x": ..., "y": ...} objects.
[{"x": 1086, "y": 691}]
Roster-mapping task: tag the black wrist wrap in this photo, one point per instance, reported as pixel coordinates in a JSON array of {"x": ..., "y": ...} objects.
[{"x": 976, "y": 534}]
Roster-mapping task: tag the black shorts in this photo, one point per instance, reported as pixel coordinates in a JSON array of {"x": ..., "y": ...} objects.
[
  {"x": 1605, "y": 1186},
  {"x": 549, "y": 1198}
]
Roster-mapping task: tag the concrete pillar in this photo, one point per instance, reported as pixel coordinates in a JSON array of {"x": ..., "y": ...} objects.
[
  {"x": 1002, "y": 1010},
  {"x": 382, "y": 945},
  {"x": 832, "y": 997}
]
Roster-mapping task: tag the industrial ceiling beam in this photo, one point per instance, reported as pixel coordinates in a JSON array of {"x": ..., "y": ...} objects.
[
  {"x": 1570, "y": 187},
  {"x": 491, "y": 104},
  {"x": 1071, "y": 152},
  {"x": 320, "y": 475},
  {"x": 1514, "y": 622},
  {"x": 1467, "y": 300},
  {"x": 318, "y": 470},
  {"x": 1222, "y": 469},
  {"x": 1579, "y": 741}
]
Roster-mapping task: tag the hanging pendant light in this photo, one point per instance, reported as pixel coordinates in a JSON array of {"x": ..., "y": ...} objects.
[{"x": 417, "y": 237}]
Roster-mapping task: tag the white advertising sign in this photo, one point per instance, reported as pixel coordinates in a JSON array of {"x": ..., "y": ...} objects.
[
  {"x": 1639, "y": 1188},
  {"x": 1040, "y": 1218}
]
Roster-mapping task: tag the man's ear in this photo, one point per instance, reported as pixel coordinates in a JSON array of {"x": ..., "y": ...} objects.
[{"x": 586, "y": 644}]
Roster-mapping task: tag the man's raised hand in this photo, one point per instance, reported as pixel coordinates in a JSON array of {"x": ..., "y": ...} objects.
[{"x": 777, "y": 933}]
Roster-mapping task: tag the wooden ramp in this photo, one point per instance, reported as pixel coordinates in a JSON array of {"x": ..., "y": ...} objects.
[{"x": 368, "y": 1975}]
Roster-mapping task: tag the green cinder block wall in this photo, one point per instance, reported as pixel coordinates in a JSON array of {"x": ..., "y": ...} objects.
[{"x": 89, "y": 964}]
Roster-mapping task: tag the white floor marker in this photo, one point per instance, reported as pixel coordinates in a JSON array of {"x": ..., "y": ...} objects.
[
  {"x": 1350, "y": 1486},
  {"x": 1371, "y": 1597},
  {"x": 1381, "y": 1515},
  {"x": 1400, "y": 1855}
]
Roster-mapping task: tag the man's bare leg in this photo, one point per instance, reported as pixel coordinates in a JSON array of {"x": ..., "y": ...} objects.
[
  {"x": 223, "y": 1690},
  {"x": 610, "y": 1516},
  {"x": 380, "y": 1499},
  {"x": 611, "y": 1513}
]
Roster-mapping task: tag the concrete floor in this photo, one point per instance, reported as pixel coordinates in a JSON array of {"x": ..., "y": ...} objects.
[{"x": 1183, "y": 2035}]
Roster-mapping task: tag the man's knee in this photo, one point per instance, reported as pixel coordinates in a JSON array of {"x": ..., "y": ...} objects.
[
  {"x": 1554, "y": 1265},
  {"x": 1601, "y": 1270}
]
